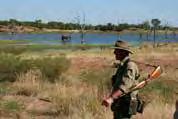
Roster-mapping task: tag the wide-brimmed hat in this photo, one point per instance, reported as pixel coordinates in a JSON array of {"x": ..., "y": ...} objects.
[{"x": 123, "y": 45}]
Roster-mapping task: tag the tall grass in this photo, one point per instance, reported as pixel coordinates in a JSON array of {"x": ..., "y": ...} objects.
[
  {"x": 51, "y": 68},
  {"x": 11, "y": 106},
  {"x": 72, "y": 101},
  {"x": 164, "y": 90},
  {"x": 157, "y": 110},
  {"x": 10, "y": 65},
  {"x": 78, "y": 96},
  {"x": 29, "y": 83},
  {"x": 101, "y": 79},
  {"x": 16, "y": 50},
  {"x": 83, "y": 100}
]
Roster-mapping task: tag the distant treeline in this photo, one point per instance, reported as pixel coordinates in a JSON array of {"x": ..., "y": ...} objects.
[{"x": 147, "y": 25}]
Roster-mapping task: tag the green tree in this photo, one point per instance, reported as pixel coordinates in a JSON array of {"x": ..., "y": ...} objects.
[
  {"x": 155, "y": 23},
  {"x": 110, "y": 26},
  {"x": 38, "y": 23},
  {"x": 13, "y": 21},
  {"x": 146, "y": 26}
]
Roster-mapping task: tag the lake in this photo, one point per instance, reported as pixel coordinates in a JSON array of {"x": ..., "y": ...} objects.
[{"x": 90, "y": 38}]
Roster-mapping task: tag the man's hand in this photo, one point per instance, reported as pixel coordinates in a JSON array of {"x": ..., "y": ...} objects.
[
  {"x": 107, "y": 101},
  {"x": 110, "y": 99}
]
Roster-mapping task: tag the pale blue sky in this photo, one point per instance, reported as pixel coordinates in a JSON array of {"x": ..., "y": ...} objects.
[{"x": 96, "y": 11}]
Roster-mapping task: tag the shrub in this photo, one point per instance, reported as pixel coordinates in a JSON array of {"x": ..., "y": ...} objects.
[
  {"x": 52, "y": 68},
  {"x": 165, "y": 89},
  {"x": 10, "y": 66},
  {"x": 101, "y": 79},
  {"x": 11, "y": 105},
  {"x": 29, "y": 83},
  {"x": 13, "y": 49},
  {"x": 4, "y": 89}
]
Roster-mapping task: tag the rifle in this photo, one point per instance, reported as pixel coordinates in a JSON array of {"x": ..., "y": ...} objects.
[{"x": 155, "y": 74}]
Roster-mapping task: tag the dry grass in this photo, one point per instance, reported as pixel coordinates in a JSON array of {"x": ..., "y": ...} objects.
[
  {"x": 72, "y": 99},
  {"x": 157, "y": 110},
  {"x": 78, "y": 92},
  {"x": 76, "y": 100}
]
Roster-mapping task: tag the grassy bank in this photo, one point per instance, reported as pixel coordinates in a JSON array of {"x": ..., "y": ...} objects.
[{"x": 22, "y": 46}]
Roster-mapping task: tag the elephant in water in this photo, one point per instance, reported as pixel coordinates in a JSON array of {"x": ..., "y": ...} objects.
[{"x": 65, "y": 37}]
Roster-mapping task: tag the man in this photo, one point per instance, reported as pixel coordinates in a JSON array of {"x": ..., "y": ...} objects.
[
  {"x": 176, "y": 111},
  {"x": 122, "y": 101}
]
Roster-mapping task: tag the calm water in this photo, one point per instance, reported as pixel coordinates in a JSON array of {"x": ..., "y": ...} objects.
[{"x": 90, "y": 38}]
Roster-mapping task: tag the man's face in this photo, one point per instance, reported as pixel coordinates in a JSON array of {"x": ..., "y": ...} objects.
[{"x": 119, "y": 54}]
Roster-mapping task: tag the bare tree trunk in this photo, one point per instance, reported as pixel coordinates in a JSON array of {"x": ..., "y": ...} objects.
[
  {"x": 147, "y": 35},
  {"x": 154, "y": 37},
  {"x": 166, "y": 35},
  {"x": 81, "y": 27},
  {"x": 82, "y": 37}
]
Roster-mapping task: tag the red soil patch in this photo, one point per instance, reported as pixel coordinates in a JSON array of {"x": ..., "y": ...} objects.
[
  {"x": 85, "y": 63},
  {"x": 165, "y": 63},
  {"x": 97, "y": 63}
]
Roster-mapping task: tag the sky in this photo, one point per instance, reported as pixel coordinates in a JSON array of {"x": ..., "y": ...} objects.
[{"x": 94, "y": 11}]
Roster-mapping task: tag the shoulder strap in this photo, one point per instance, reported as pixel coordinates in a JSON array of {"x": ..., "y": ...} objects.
[
  {"x": 126, "y": 63},
  {"x": 123, "y": 67}
]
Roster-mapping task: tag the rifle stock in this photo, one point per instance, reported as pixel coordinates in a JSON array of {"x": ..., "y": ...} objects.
[{"x": 155, "y": 74}]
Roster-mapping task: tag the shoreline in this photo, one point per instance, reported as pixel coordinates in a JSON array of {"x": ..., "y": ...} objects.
[{"x": 31, "y": 30}]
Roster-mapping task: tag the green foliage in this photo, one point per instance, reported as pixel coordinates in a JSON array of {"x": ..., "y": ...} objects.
[
  {"x": 101, "y": 78},
  {"x": 13, "y": 46},
  {"x": 4, "y": 89},
  {"x": 155, "y": 22},
  {"x": 88, "y": 46},
  {"x": 66, "y": 47},
  {"x": 41, "y": 47},
  {"x": 10, "y": 105},
  {"x": 13, "y": 49},
  {"x": 52, "y": 68},
  {"x": 76, "y": 26},
  {"x": 145, "y": 25},
  {"x": 12, "y": 42},
  {"x": 10, "y": 66},
  {"x": 164, "y": 88}
]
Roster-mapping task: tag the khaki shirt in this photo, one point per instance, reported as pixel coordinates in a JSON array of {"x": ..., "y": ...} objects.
[{"x": 126, "y": 77}]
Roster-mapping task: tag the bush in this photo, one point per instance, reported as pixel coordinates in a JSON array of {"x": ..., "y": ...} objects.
[
  {"x": 11, "y": 106},
  {"x": 52, "y": 68},
  {"x": 16, "y": 50},
  {"x": 4, "y": 89},
  {"x": 101, "y": 79},
  {"x": 166, "y": 89},
  {"x": 10, "y": 66}
]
